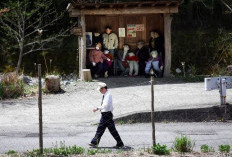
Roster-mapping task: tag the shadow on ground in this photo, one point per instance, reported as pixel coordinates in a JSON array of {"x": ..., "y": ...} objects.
[{"x": 119, "y": 81}]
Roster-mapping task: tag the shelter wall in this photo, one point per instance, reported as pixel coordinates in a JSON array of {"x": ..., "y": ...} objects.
[{"x": 150, "y": 21}]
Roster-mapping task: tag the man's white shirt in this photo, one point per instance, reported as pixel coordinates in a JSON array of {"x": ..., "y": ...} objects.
[{"x": 107, "y": 104}]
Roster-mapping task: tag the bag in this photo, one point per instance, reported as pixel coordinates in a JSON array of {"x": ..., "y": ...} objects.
[{"x": 125, "y": 64}]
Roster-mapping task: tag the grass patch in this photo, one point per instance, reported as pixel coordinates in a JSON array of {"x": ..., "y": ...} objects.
[
  {"x": 206, "y": 149},
  {"x": 10, "y": 152},
  {"x": 11, "y": 86},
  {"x": 62, "y": 150},
  {"x": 183, "y": 144},
  {"x": 160, "y": 149},
  {"x": 92, "y": 151},
  {"x": 121, "y": 122},
  {"x": 224, "y": 148}
]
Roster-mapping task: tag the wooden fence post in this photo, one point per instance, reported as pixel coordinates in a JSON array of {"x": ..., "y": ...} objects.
[{"x": 40, "y": 112}]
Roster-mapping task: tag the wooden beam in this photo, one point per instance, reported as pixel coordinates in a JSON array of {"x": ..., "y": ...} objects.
[
  {"x": 125, "y": 11},
  {"x": 82, "y": 46},
  {"x": 167, "y": 44}
]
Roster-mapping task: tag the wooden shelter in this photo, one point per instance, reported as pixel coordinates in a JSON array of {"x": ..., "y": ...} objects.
[{"x": 150, "y": 15}]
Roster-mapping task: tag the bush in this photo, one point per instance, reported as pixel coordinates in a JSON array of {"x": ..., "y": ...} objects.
[
  {"x": 224, "y": 148},
  {"x": 210, "y": 57},
  {"x": 11, "y": 86},
  {"x": 205, "y": 149},
  {"x": 183, "y": 144},
  {"x": 11, "y": 152},
  {"x": 160, "y": 149}
]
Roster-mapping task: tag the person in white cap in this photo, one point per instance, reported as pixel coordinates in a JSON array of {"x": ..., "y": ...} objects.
[{"x": 106, "y": 121}]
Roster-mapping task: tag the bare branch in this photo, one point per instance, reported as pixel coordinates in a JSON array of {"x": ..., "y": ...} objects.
[
  {"x": 17, "y": 35},
  {"x": 226, "y": 5}
]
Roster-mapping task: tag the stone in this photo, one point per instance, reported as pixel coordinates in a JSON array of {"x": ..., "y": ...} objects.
[
  {"x": 52, "y": 83},
  {"x": 229, "y": 69}
]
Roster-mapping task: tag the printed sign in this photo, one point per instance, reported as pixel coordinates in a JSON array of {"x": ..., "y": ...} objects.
[
  {"x": 131, "y": 30},
  {"x": 122, "y": 32},
  {"x": 76, "y": 31},
  {"x": 140, "y": 27}
]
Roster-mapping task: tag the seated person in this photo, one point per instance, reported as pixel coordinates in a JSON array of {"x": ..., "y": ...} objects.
[
  {"x": 97, "y": 58},
  {"x": 156, "y": 62},
  {"x": 156, "y": 42},
  {"x": 123, "y": 65},
  {"x": 109, "y": 63},
  {"x": 110, "y": 56},
  {"x": 143, "y": 54},
  {"x": 133, "y": 64}
]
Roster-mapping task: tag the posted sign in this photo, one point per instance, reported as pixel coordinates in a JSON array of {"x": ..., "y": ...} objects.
[{"x": 213, "y": 83}]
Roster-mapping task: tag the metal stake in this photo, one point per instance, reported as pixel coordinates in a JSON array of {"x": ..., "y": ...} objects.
[
  {"x": 40, "y": 112},
  {"x": 152, "y": 111}
]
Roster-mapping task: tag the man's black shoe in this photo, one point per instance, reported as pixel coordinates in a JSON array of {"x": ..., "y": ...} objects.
[
  {"x": 119, "y": 146},
  {"x": 93, "y": 145}
]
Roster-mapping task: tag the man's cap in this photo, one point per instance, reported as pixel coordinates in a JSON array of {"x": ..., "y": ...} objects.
[{"x": 101, "y": 85}]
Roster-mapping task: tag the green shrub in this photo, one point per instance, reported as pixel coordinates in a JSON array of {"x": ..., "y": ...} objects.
[
  {"x": 224, "y": 148},
  {"x": 10, "y": 152},
  {"x": 64, "y": 150},
  {"x": 160, "y": 149},
  {"x": 205, "y": 149},
  {"x": 183, "y": 144}
]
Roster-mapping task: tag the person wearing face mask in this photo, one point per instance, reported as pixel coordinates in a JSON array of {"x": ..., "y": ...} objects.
[
  {"x": 110, "y": 40},
  {"x": 97, "y": 58},
  {"x": 156, "y": 63},
  {"x": 156, "y": 42},
  {"x": 143, "y": 55},
  {"x": 123, "y": 65}
]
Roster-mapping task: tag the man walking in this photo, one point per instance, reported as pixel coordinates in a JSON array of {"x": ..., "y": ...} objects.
[{"x": 106, "y": 121}]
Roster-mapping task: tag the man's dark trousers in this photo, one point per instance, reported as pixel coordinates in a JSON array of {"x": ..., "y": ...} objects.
[{"x": 107, "y": 122}]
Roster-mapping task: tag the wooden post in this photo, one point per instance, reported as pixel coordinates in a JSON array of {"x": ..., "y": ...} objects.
[
  {"x": 167, "y": 43},
  {"x": 152, "y": 111},
  {"x": 40, "y": 112},
  {"x": 82, "y": 46}
]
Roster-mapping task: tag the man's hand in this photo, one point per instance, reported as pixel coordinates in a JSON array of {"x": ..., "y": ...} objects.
[{"x": 95, "y": 109}]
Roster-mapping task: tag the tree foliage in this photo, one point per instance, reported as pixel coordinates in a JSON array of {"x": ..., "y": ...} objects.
[{"x": 25, "y": 20}]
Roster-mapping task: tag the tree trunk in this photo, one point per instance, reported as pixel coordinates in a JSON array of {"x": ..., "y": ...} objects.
[{"x": 20, "y": 59}]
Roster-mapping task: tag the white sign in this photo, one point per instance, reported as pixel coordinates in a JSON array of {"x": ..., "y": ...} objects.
[
  {"x": 213, "y": 83},
  {"x": 122, "y": 32}
]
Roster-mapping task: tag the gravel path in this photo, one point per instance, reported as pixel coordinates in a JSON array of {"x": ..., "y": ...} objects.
[{"x": 129, "y": 95}]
